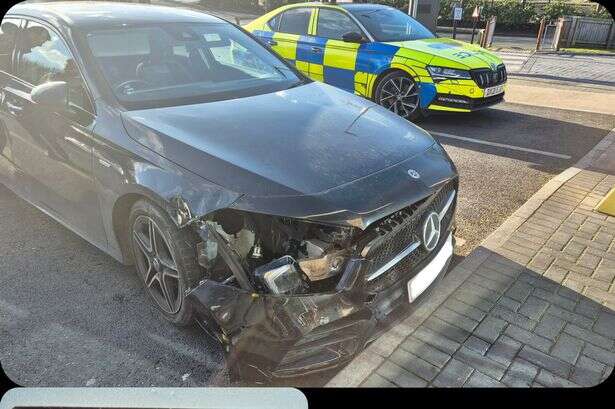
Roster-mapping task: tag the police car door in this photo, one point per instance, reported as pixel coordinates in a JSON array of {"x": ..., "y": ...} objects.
[
  {"x": 339, "y": 58},
  {"x": 290, "y": 40}
]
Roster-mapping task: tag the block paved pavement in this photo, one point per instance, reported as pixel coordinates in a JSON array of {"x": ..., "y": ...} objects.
[
  {"x": 598, "y": 69},
  {"x": 535, "y": 307}
]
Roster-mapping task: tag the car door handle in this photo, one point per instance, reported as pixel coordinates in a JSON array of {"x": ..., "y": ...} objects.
[
  {"x": 317, "y": 50},
  {"x": 272, "y": 42}
]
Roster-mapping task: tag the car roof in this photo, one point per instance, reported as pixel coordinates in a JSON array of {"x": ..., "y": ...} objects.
[
  {"x": 345, "y": 6},
  {"x": 362, "y": 6},
  {"x": 88, "y": 15}
]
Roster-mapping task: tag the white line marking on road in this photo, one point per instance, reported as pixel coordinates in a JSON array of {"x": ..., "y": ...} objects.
[
  {"x": 501, "y": 145},
  {"x": 514, "y": 61}
]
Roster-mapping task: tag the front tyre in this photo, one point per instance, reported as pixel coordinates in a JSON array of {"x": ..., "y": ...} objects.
[
  {"x": 165, "y": 259},
  {"x": 399, "y": 93}
]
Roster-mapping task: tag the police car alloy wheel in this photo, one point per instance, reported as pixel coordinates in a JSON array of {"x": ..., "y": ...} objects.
[{"x": 399, "y": 93}]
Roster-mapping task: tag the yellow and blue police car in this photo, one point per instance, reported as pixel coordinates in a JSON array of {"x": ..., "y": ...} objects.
[{"x": 381, "y": 53}]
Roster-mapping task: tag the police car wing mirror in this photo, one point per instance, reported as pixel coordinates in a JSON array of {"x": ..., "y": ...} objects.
[{"x": 353, "y": 37}]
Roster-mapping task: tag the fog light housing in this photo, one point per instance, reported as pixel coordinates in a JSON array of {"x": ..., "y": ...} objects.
[
  {"x": 453, "y": 100},
  {"x": 281, "y": 276}
]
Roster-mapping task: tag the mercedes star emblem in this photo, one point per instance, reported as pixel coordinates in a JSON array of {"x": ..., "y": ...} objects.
[
  {"x": 414, "y": 174},
  {"x": 431, "y": 231}
]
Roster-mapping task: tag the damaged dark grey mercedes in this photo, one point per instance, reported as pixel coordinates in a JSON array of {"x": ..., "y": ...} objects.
[{"x": 287, "y": 217}]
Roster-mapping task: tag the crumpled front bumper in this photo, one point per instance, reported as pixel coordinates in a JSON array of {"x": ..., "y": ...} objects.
[{"x": 268, "y": 338}]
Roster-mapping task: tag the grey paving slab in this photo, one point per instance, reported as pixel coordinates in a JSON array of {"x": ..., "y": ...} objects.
[
  {"x": 588, "y": 372},
  {"x": 521, "y": 373},
  {"x": 455, "y": 374},
  {"x": 567, "y": 348},
  {"x": 400, "y": 376},
  {"x": 480, "y": 380},
  {"x": 414, "y": 364},
  {"x": 504, "y": 350},
  {"x": 550, "y": 326}
]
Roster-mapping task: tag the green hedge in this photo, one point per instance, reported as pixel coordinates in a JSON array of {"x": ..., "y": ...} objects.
[
  {"x": 514, "y": 14},
  {"x": 557, "y": 9},
  {"x": 511, "y": 14}
]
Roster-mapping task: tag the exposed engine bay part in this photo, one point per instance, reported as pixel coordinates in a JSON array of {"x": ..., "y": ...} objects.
[
  {"x": 181, "y": 213},
  {"x": 288, "y": 297},
  {"x": 282, "y": 276},
  {"x": 269, "y": 338},
  {"x": 270, "y": 254},
  {"x": 325, "y": 266}
]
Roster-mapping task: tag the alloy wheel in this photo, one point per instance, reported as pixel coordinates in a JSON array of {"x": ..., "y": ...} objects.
[
  {"x": 400, "y": 95},
  {"x": 157, "y": 265}
]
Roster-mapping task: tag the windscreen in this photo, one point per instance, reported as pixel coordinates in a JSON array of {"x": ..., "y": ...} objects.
[
  {"x": 181, "y": 63},
  {"x": 388, "y": 24}
]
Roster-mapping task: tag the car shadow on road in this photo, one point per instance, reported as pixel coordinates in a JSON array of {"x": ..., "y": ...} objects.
[
  {"x": 72, "y": 315},
  {"x": 505, "y": 325},
  {"x": 543, "y": 129}
]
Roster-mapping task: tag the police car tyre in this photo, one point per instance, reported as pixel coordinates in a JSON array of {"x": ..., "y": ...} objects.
[{"x": 399, "y": 93}]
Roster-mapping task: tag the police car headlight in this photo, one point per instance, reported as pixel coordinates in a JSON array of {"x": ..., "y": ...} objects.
[{"x": 446, "y": 73}]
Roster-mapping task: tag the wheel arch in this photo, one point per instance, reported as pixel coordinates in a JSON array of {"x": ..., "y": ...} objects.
[
  {"x": 121, "y": 212},
  {"x": 119, "y": 222},
  {"x": 183, "y": 207},
  {"x": 392, "y": 68}
]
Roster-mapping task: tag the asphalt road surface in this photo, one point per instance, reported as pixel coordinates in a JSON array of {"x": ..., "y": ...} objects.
[{"x": 72, "y": 316}]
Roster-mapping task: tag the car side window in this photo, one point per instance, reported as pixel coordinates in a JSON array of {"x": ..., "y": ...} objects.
[
  {"x": 8, "y": 33},
  {"x": 334, "y": 24},
  {"x": 274, "y": 23},
  {"x": 295, "y": 21},
  {"x": 44, "y": 57}
]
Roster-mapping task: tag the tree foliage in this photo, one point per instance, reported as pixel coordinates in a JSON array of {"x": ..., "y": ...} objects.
[{"x": 512, "y": 14}]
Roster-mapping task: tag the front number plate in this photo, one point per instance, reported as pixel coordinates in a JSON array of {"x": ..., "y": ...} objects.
[
  {"x": 491, "y": 91},
  {"x": 426, "y": 276}
]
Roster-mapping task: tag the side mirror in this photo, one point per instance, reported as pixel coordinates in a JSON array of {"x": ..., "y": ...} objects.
[
  {"x": 353, "y": 37},
  {"x": 52, "y": 95}
]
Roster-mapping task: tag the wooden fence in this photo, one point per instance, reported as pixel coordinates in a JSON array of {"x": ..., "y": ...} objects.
[{"x": 575, "y": 31}]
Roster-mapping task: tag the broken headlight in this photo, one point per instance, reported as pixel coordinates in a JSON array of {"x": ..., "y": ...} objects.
[
  {"x": 281, "y": 276},
  {"x": 273, "y": 254}
]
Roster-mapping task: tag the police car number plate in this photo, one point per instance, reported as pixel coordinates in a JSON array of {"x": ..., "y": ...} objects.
[{"x": 491, "y": 91}]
